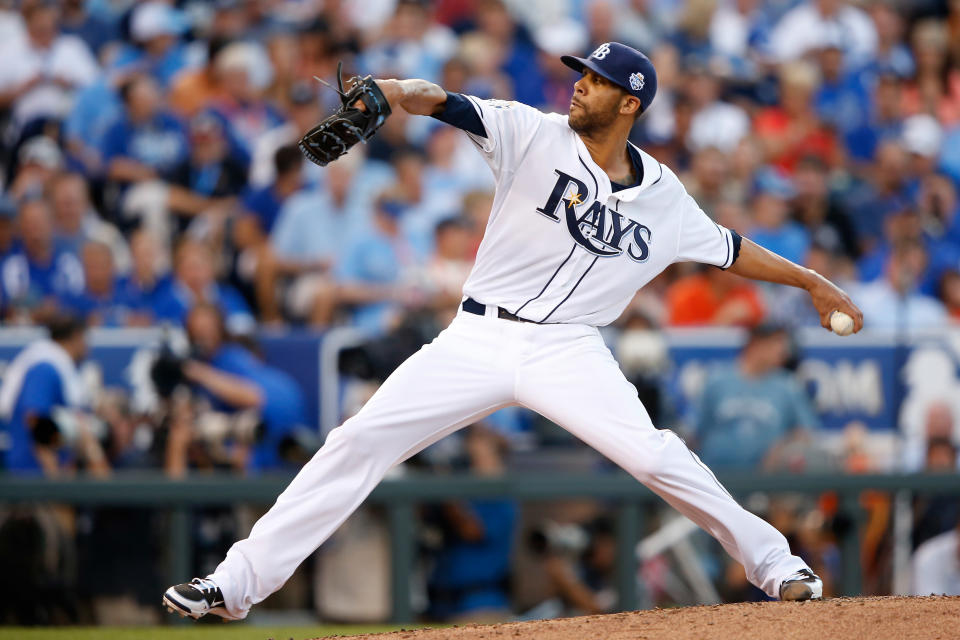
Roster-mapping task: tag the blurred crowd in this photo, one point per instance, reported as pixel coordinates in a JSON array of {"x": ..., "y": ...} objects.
[
  {"x": 826, "y": 130},
  {"x": 149, "y": 176},
  {"x": 149, "y": 163}
]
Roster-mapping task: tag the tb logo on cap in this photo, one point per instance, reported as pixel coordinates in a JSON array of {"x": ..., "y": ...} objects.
[{"x": 601, "y": 51}]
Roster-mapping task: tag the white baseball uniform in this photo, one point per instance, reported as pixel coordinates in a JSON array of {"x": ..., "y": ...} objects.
[{"x": 566, "y": 252}]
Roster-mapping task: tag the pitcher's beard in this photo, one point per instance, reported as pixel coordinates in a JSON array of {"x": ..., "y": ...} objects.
[{"x": 587, "y": 123}]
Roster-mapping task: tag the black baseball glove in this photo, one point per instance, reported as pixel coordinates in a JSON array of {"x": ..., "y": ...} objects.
[{"x": 339, "y": 131}]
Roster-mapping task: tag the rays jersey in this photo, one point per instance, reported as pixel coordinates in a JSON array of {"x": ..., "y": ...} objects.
[{"x": 563, "y": 244}]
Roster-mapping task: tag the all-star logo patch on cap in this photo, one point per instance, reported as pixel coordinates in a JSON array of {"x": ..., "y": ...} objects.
[{"x": 623, "y": 66}]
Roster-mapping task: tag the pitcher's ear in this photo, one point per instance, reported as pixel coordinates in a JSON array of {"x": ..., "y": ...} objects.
[{"x": 631, "y": 105}]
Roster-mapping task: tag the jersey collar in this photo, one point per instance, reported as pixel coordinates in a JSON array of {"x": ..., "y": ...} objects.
[{"x": 652, "y": 170}]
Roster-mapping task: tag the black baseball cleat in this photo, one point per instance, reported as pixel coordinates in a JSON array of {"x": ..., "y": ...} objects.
[
  {"x": 802, "y": 585},
  {"x": 196, "y": 599}
]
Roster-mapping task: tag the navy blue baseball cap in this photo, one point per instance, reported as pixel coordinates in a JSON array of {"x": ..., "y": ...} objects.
[{"x": 623, "y": 66}]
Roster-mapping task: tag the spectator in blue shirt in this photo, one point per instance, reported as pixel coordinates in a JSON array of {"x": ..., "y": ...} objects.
[
  {"x": 147, "y": 142},
  {"x": 155, "y": 28},
  {"x": 76, "y": 20},
  {"x": 372, "y": 268},
  {"x": 841, "y": 100},
  {"x": 471, "y": 576},
  {"x": 77, "y": 222},
  {"x": 871, "y": 201},
  {"x": 38, "y": 271},
  {"x": 748, "y": 409},
  {"x": 40, "y": 382},
  {"x": 906, "y": 224},
  {"x": 195, "y": 282},
  {"x": 344, "y": 202},
  {"x": 210, "y": 177},
  {"x": 426, "y": 200},
  {"x": 415, "y": 45},
  {"x": 892, "y": 53},
  {"x": 104, "y": 300},
  {"x": 236, "y": 380},
  {"x": 884, "y": 120},
  {"x": 939, "y": 218},
  {"x": 315, "y": 227},
  {"x": 149, "y": 279},
  {"x": 241, "y": 102},
  {"x": 773, "y": 228},
  {"x": 258, "y": 267},
  {"x": 265, "y": 202},
  {"x": 95, "y": 109},
  {"x": 520, "y": 54},
  {"x": 896, "y": 300}
]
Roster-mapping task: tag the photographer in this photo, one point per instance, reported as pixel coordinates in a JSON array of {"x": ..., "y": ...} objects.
[
  {"x": 578, "y": 567},
  {"x": 44, "y": 405},
  {"x": 44, "y": 411},
  {"x": 262, "y": 405}
]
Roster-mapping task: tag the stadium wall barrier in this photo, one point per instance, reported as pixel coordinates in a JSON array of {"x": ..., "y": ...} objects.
[{"x": 401, "y": 496}]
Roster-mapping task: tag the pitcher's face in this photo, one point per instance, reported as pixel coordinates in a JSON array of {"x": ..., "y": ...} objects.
[{"x": 595, "y": 104}]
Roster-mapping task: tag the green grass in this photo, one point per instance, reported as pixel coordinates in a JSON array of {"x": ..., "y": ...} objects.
[{"x": 196, "y": 632}]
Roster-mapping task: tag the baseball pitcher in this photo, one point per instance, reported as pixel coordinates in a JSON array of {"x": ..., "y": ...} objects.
[{"x": 581, "y": 219}]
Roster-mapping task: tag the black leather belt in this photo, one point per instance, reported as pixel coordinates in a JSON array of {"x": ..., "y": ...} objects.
[{"x": 472, "y": 306}]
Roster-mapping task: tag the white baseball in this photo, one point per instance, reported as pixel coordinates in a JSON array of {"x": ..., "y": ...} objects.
[{"x": 841, "y": 323}]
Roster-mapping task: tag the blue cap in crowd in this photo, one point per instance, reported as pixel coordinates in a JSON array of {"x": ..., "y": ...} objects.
[
  {"x": 623, "y": 66},
  {"x": 773, "y": 182}
]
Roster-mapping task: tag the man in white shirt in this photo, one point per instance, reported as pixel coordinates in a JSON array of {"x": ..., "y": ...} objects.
[
  {"x": 581, "y": 219},
  {"x": 42, "y": 71},
  {"x": 814, "y": 23},
  {"x": 936, "y": 565},
  {"x": 893, "y": 301},
  {"x": 303, "y": 113}
]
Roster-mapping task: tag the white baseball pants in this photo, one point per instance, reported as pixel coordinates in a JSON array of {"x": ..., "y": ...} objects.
[{"x": 474, "y": 367}]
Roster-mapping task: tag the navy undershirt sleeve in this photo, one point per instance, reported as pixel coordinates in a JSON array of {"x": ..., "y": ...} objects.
[
  {"x": 460, "y": 112},
  {"x": 737, "y": 239}
]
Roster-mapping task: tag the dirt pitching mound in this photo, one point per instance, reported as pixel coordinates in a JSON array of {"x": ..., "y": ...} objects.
[{"x": 928, "y": 618}]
